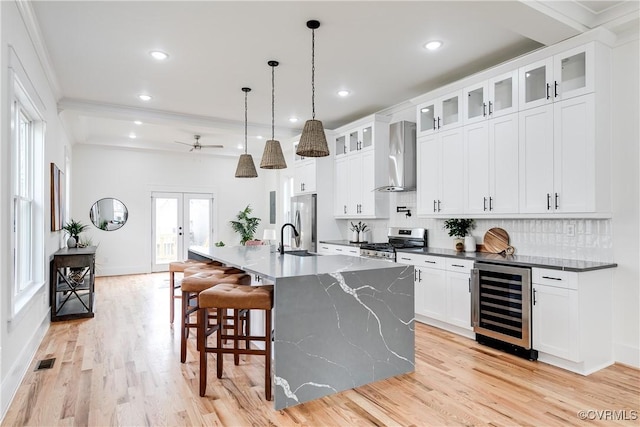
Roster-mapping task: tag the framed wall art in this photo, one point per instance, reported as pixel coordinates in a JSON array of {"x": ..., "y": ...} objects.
[{"x": 57, "y": 198}]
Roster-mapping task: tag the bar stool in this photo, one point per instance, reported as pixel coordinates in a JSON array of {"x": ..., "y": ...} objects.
[
  {"x": 179, "y": 267},
  {"x": 237, "y": 297},
  {"x": 195, "y": 283},
  {"x": 211, "y": 268}
]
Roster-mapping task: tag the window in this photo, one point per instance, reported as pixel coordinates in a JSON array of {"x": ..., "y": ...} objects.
[{"x": 27, "y": 189}]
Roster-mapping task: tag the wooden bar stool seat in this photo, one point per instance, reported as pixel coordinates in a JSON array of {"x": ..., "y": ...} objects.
[
  {"x": 211, "y": 268},
  {"x": 179, "y": 267},
  {"x": 191, "y": 286},
  {"x": 221, "y": 298}
]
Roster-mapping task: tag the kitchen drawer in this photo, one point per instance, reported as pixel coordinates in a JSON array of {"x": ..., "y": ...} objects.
[
  {"x": 461, "y": 265},
  {"x": 421, "y": 260},
  {"x": 555, "y": 278}
]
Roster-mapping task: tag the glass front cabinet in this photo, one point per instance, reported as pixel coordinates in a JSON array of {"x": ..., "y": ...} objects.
[
  {"x": 491, "y": 98},
  {"x": 562, "y": 76},
  {"x": 441, "y": 114}
]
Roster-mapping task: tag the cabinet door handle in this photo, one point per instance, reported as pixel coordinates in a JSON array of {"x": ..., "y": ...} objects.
[
  {"x": 484, "y": 204},
  {"x": 555, "y": 89},
  {"x": 490, "y": 203},
  {"x": 484, "y": 109},
  {"x": 434, "y": 124},
  {"x": 406, "y": 259},
  {"x": 430, "y": 262},
  {"x": 434, "y": 205},
  {"x": 534, "y": 297},
  {"x": 338, "y": 250},
  {"x": 345, "y": 208},
  {"x": 552, "y": 278},
  {"x": 457, "y": 265},
  {"x": 548, "y": 87},
  {"x": 344, "y": 148},
  {"x": 490, "y": 110},
  {"x": 438, "y": 205},
  {"x": 548, "y": 201},
  {"x": 469, "y": 284},
  {"x": 419, "y": 275},
  {"x": 438, "y": 122},
  {"x": 557, "y": 204}
]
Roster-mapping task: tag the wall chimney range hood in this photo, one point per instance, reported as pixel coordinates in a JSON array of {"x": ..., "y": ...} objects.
[{"x": 402, "y": 157}]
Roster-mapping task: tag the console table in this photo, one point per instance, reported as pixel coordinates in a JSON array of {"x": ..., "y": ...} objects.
[{"x": 72, "y": 276}]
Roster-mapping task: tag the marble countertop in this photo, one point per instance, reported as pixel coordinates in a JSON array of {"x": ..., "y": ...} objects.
[
  {"x": 518, "y": 260},
  {"x": 261, "y": 261}
]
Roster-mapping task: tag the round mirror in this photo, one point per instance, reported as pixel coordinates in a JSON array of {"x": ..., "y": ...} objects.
[{"x": 108, "y": 214}]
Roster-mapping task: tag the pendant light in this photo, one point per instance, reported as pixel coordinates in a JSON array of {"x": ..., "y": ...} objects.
[
  {"x": 313, "y": 142},
  {"x": 246, "y": 168},
  {"x": 272, "y": 158}
]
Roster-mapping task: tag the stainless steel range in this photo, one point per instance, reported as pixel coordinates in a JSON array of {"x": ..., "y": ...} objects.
[{"x": 398, "y": 238}]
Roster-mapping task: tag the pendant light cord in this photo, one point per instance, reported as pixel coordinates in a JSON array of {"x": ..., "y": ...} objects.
[
  {"x": 245, "y": 122},
  {"x": 273, "y": 101},
  {"x": 313, "y": 74}
]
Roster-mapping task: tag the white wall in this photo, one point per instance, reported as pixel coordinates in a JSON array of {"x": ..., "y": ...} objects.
[
  {"x": 626, "y": 193},
  {"x": 131, "y": 176},
  {"x": 20, "y": 336}
]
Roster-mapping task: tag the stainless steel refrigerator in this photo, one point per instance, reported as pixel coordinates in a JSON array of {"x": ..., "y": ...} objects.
[{"x": 304, "y": 218}]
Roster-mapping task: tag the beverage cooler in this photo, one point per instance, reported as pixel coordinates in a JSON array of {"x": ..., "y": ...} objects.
[{"x": 501, "y": 308}]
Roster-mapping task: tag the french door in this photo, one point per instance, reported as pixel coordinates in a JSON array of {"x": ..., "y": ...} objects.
[{"x": 179, "y": 221}]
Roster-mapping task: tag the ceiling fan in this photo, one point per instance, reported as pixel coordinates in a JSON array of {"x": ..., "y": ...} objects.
[{"x": 196, "y": 144}]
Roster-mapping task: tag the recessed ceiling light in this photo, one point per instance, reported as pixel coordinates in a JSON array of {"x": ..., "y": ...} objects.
[
  {"x": 259, "y": 137},
  {"x": 159, "y": 55},
  {"x": 132, "y": 135},
  {"x": 293, "y": 119},
  {"x": 240, "y": 146},
  {"x": 144, "y": 97},
  {"x": 343, "y": 93},
  {"x": 433, "y": 45},
  {"x": 424, "y": 110},
  {"x": 138, "y": 122}
]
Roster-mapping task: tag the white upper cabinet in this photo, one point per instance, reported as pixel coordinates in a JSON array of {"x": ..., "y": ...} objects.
[
  {"x": 491, "y": 98},
  {"x": 562, "y": 76},
  {"x": 361, "y": 166},
  {"x": 304, "y": 175},
  {"x": 439, "y": 173},
  {"x": 441, "y": 114}
]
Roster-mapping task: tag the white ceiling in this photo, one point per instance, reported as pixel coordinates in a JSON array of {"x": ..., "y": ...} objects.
[{"x": 99, "y": 55}]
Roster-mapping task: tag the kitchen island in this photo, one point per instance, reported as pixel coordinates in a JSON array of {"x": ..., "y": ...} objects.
[{"x": 339, "y": 322}]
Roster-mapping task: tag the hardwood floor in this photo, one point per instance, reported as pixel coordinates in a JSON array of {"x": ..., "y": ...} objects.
[{"x": 123, "y": 368}]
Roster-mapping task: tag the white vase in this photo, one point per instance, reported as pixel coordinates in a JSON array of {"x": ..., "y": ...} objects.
[
  {"x": 71, "y": 242},
  {"x": 361, "y": 237},
  {"x": 469, "y": 243},
  {"x": 354, "y": 236}
]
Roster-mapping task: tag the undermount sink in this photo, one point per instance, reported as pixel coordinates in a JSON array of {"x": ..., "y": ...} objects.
[{"x": 300, "y": 253}]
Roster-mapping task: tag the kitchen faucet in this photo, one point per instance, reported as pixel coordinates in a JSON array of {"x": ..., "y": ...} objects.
[{"x": 295, "y": 233}]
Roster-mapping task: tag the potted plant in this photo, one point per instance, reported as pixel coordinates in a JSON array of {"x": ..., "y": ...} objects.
[
  {"x": 245, "y": 225},
  {"x": 459, "y": 228},
  {"x": 73, "y": 229}
]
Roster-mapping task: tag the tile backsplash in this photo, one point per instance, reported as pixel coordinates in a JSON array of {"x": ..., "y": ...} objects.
[{"x": 580, "y": 239}]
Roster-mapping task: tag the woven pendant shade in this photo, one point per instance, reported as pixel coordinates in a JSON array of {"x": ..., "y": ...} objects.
[
  {"x": 246, "y": 168},
  {"x": 272, "y": 158},
  {"x": 313, "y": 142}
]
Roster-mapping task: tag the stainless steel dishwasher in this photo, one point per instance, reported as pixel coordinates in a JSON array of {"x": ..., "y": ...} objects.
[{"x": 501, "y": 308}]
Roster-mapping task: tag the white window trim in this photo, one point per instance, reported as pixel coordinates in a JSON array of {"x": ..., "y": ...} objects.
[{"x": 22, "y": 90}]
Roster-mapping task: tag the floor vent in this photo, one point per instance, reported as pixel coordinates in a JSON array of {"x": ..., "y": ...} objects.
[{"x": 45, "y": 364}]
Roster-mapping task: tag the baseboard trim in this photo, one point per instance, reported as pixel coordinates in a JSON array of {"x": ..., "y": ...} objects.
[
  {"x": 627, "y": 355},
  {"x": 20, "y": 366},
  {"x": 121, "y": 271}
]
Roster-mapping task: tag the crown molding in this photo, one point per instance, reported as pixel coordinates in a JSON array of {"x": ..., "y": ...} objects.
[
  {"x": 25, "y": 8},
  {"x": 122, "y": 112}
]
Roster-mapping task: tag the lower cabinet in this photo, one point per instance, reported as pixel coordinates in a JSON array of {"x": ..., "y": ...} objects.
[
  {"x": 333, "y": 249},
  {"x": 571, "y": 314},
  {"x": 442, "y": 291}
]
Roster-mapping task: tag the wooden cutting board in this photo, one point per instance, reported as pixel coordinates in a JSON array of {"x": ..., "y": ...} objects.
[{"x": 496, "y": 240}]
